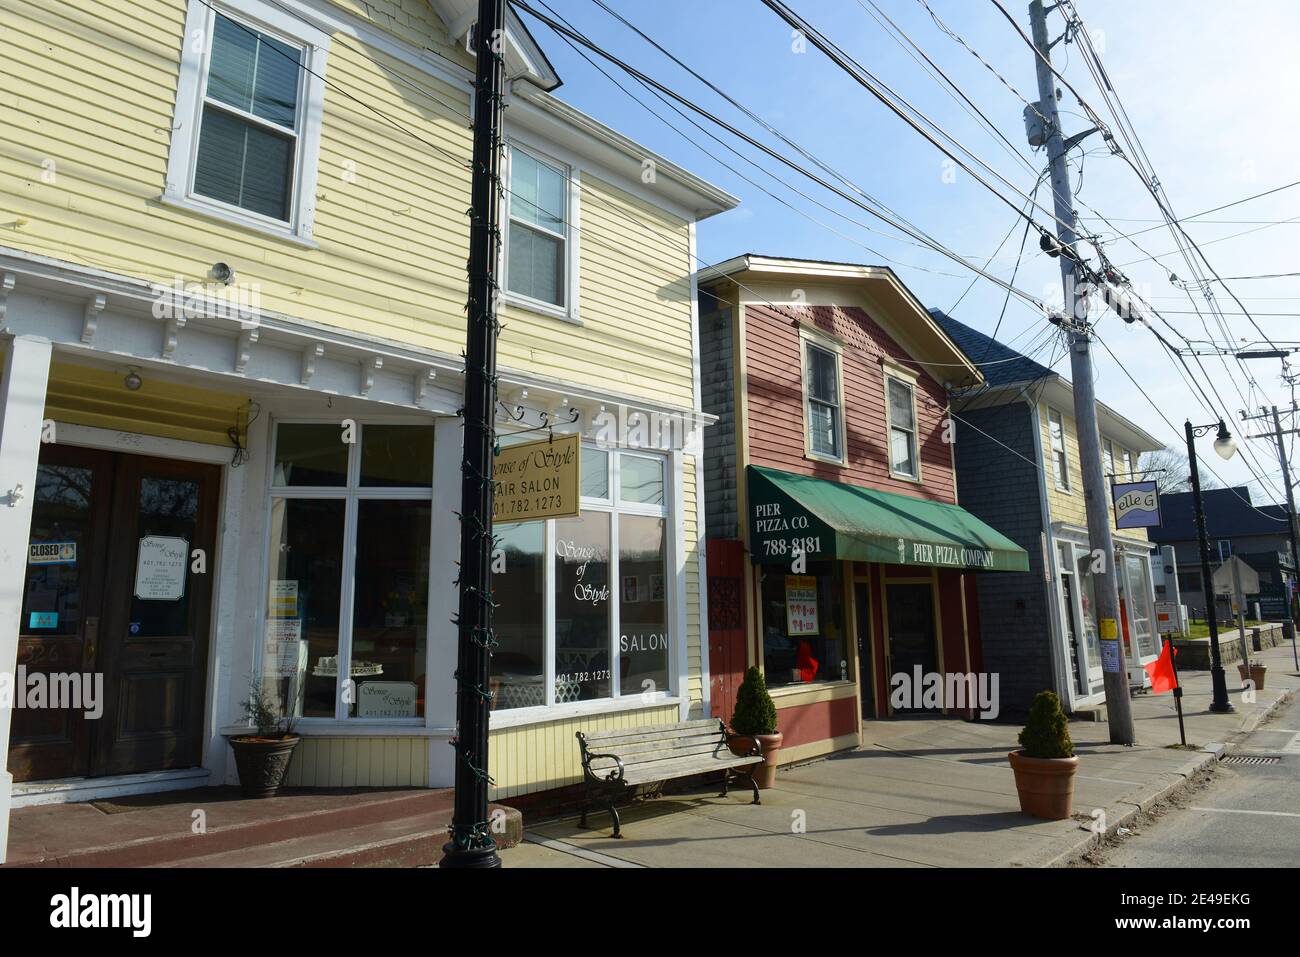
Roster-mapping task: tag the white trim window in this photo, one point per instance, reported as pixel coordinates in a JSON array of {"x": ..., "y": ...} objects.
[
  {"x": 1060, "y": 457},
  {"x": 1108, "y": 457},
  {"x": 246, "y": 141},
  {"x": 538, "y": 248},
  {"x": 900, "y": 409},
  {"x": 823, "y": 401},
  {"x": 586, "y": 606},
  {"x": 345, "y": 622}
]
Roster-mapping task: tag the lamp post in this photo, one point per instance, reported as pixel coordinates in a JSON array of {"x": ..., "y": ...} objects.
[{"x": 1226, "y": 447}]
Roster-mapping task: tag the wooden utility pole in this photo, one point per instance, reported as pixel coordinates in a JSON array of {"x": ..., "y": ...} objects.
[{"x": 1119, "y": 709}]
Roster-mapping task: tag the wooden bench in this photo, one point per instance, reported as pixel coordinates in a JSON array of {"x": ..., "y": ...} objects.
[{"x": 616, "y": 764}]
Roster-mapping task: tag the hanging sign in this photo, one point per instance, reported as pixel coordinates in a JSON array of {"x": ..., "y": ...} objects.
[
  {"x": 537, "y": 480},
  {"x": 52, "y": 553},
  {"x": 160, "y": 568},
  {"x": 801, "y": 605},
  {"x": 1137, "y": 504}
]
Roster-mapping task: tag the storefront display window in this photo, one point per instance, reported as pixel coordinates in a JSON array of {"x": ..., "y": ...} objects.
[
  {"x": 607, "y": 575},
  {"x": 1138, "y": 600},
  {"x": 348, "y": 579},
  {"x": 803, "y": 624}
]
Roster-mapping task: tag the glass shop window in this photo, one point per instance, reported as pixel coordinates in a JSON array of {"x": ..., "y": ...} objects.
[{"x": 803, "y": 625}]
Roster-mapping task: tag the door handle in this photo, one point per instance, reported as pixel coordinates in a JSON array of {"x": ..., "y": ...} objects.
[{"x": 92, "y": 639}]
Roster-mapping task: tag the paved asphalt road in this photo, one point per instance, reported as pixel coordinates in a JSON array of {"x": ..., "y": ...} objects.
[{"x": 1246, "y": 816}]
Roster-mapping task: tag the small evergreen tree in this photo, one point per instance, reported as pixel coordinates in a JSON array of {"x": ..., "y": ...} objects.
[
  {"x": 1047, "y": 733},
  {"x": 755, "y": 712}
]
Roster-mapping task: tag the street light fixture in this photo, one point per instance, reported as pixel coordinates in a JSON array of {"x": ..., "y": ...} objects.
[{"x": 1226, "y": 447}]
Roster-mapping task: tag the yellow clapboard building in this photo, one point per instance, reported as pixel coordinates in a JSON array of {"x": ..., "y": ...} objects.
[{"x": 233, "y": 238}]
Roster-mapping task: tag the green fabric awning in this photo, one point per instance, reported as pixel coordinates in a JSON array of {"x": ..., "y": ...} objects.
[{"x": 828, "y": 520}]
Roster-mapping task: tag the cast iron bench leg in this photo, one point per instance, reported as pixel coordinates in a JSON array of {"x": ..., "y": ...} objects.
[
  {"x": 726, "y": 782},
  {"x": 613, "y": 812},
  {"x": 754, "y": 784}
]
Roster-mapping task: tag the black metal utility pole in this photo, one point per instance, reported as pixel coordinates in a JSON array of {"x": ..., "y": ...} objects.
[
  {"x": 1219, "y": 703},
  {"x": 471, "y": 843}
]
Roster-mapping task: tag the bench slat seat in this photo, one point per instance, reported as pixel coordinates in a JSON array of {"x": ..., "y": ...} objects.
[{"x": 627, "y": 760}]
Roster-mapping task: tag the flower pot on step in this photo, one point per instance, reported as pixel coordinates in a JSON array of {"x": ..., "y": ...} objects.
[
  {"x": 1045, "y": 785},
  {"x": 262, "y": 763}
]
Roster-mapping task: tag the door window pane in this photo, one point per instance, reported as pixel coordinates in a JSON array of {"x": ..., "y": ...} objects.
[
  {"x": 582, "y": 608},
  {"x": 168, "y": 512},
  {"x": 397, "y": 456},
  {"x": 518, "y": 663},
  {"x": 302, "y": 630},
  {"x": 310, "y": 455},
  {"x": 643, "y": 606},
  {"x": 60, "y": 533},
  {"x": 641, "y": 479},
  {"x": 390, "y": 609}
]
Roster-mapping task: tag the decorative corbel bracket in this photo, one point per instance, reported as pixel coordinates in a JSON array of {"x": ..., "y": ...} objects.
[
  {"x": 309, "y": 357},
  {"x": 369, "y": 368},
  {"x": 424, "y": 379},
  {"x": 90, "y": 318},
  {"x": 7, "y": 283},
  {"x": 244, "y": 349},
  {"x": 171, "y": 334}
]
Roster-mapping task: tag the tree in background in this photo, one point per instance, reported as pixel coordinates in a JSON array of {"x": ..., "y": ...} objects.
[{"x": 1171, "y": 472}]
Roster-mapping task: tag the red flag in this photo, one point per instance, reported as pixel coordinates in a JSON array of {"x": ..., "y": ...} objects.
[{"x": 1161, "y": 671}]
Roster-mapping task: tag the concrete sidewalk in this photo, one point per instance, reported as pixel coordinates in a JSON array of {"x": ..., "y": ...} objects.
[{"x": 924, "y": 792}]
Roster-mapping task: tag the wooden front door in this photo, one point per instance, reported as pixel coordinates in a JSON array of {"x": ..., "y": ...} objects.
[
  {"x": 727, "y": 644},
  {"x": 910, "y": 620},
  {"x": 113, "y": 589}
]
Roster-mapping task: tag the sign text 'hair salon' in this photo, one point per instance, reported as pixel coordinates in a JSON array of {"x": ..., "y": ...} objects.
[{"x": 537, "y": 480}]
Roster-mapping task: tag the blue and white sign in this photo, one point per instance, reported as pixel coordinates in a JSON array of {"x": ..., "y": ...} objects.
[{"x": 1137, "y": 505}]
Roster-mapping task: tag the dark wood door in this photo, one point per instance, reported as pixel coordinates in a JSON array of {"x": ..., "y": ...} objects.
[
  {"x": 157, "y": 606},
  {"x": 911, "y": 632},
  {"x": 112, "y": 590},
  {"x": 62, "y": 594}
]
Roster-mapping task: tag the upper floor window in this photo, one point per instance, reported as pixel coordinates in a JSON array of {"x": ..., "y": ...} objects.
[
  {"x": 1060, "y": 459},
  {"x": 537, "y": 244},
  {"x": 825, "y": 417},
  {"x": 247, "y": 128},
  {"x": 903, "y": 460},
  {"x": 1108, "y": 457}
]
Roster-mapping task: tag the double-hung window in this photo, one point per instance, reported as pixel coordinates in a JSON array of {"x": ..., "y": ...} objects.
[
  {"x": 1060, "y": 459},
  {"x": 901, "y": 400},
  {"x": 584, "y": 604},
  {"x": 1108, "y": 457},
  {"x": 822, "y": 391},
  {"x": 247, "y": 128},
  {"x": 348, "y": 570},
  {"x": 537, "y": 244}
]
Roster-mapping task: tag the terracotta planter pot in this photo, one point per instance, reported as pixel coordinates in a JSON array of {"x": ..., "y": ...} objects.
[
  {"x": 769, "y": 744},
  {"x": 1045, "y": 785},
  {"x": 1257, "y": 673},
  {"x": 262, "y": 763}
]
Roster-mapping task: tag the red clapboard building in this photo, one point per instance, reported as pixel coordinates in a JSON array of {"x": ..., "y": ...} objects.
[{"x": 838, "y": 555}]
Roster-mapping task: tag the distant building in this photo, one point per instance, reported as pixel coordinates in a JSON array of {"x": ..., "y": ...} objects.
[{"x": 1234, "y": 526}]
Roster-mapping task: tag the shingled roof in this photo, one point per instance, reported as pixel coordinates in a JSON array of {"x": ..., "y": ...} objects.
[{"x": 1000, "y": 364}]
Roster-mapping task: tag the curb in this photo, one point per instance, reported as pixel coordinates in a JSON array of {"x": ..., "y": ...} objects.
[{"x": 1144, "y": 798}]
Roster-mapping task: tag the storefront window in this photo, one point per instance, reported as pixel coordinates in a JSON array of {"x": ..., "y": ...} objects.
[
  {"x": 643, "y": 606},
  {"x": 582, "y": 608},
  {"x": 1088, "y": 604},
  {"x": 607, "y": 572},
  {"x": 1140, "y": 612},
  {"x": 300, "y": 659},
  {"x": 518, "y": 673},
  {"x": 803, "y": 624},
  {"x": 356, "y": 623}
]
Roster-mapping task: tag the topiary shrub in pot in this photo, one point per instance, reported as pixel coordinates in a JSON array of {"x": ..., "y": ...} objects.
[
  {"x": 262, "y": 758},
  {"x": 755, "y": 720},
  {"x": 1045, "y": 765}
]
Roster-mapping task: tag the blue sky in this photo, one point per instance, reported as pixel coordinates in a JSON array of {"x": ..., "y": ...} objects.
[{"x": 1208, "y": 87}]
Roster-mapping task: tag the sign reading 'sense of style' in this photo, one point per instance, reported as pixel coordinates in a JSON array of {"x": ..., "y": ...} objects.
[{"x": 537, "y": 480}]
